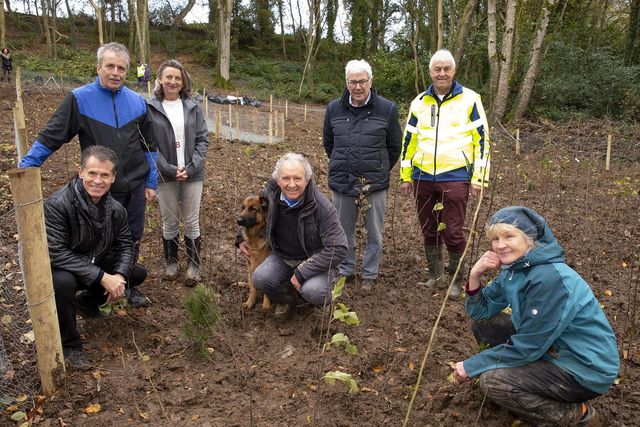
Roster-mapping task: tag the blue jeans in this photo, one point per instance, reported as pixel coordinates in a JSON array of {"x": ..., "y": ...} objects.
[
  {"x": 373, "y": 223},
  {"x": 180, "y": 200},
  {"x": 273, "y": 275}
]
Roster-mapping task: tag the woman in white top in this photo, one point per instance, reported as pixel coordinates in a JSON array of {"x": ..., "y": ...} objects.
[{"x": 180, "y": 130}]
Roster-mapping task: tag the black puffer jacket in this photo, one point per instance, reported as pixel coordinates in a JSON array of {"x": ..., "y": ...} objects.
[
  {"x": 319, "y": 230},
  {"x": 195, "y": 135},
  {"x": 361, "y": 142},
  {"x": 71, "y": 236}
]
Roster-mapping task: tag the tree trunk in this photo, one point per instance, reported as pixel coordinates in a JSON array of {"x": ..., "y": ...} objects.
[
  {"x": 112, "y": 24},
  {"x": 3, "y": 28},
  {"x": 45, "y": 24},
  {"x": 530, "y": 78},
  {"x": 8, "y": 4},
  {"x": 500, "y": 104},
  {"x": 54, "y": 27},
  {"x": 72, "y": 25},
  {"x": 492, "y": 45},
  {"x": 98, "y": 11},
  {"x": 282, "y": 35},
  {"x": 224, "y": 19},
  {"x": 467, "y": 16},
  {"x": 132, "y": 24},
  {"x": 139, "y": 35},
  {"x": 632, "y": 48},
  {"x": 178, "y": 21},
  {"x": 440, "y": 24},
  {"x": 332, "y": 14}
]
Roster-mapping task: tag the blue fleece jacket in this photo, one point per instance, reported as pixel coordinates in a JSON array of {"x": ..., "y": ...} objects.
[{"x": 556, "y": 316}]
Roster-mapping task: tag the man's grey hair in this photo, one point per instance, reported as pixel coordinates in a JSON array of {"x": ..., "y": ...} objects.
[
  {"x": 115, "y": 47},
  {"x": 442, "y": 55},
  {"x": 293, "y": 158},
  {"x": 356, "y": 66}
]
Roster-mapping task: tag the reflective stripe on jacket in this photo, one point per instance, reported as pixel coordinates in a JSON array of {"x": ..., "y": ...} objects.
[{"x": 446, "y": 140}]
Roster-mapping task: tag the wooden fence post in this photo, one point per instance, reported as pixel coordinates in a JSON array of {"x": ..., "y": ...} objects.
[
  {"x": 608, "y": 162},
  {"x": 270, "y": 139},
  {"x": 305, "y": 113},
  {"x": 286, "y": 108},
  {"x": 237, "y": 125},
  {"x": 271, "y": 103},
  {"x": 276, "y": 123},
  {"x": 517, "y": 141},
  {"x": 218, "y": 121},
  {"x": 36, "y": 273},
  {"x": 229, "y": 122},
  {"x": 20, "y": 130},
  {"x": 19, "y": 83},
  {"x": 282, "y": 133}
]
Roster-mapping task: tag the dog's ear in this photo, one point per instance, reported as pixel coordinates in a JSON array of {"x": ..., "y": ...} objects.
[{"x": 264, "y": 203}]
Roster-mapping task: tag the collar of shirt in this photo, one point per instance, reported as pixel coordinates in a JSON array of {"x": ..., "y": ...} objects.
[
  {"x": 365, "y": 102},
  {"x": 290, "y": 203}
]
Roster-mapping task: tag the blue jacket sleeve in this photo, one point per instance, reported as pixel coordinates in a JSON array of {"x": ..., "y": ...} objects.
[
  {"x": 544, "y": 315},
  {"x": 488, "y": 302},
  {"x": 36, "y": 156},
  {"x": 152, "y": 178}
]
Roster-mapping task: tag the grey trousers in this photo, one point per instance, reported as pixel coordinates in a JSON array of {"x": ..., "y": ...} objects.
[
  {"x": 373, "y": 223},
  {"x": 540, "y": 391},
  {"x": 272, "y": 277},
  {"x": 180, "y": 201}
]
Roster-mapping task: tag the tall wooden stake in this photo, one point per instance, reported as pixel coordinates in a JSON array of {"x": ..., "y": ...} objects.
[
  {"x": 517, "y": 141},
  {"x": 305, "y": 113},
  {"x": 282, "y": 132},
  {"x": 237, "y": 126},
  {"x": 218, "y": 121},
  {"x": 286, "y": 108},
  {"x": 229, "y": 123},
  {"x": 36, "y": 273},
  {"x": 608, "y": 152},
  {"x": 20, "y": 130},
  {"x": 276, "y": 123},
  {"x": 271, "y": 103},
  {"x": 18, "y": 83},
  {"x": 270, "y": 139}
]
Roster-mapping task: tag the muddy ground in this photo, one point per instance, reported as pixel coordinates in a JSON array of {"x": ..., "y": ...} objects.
[{"x": 267, "y": 374}]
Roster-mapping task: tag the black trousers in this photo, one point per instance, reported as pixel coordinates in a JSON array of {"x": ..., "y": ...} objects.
[{"x": 65, "y": 286}]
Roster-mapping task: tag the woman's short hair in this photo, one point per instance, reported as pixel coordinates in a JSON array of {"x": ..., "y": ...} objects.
[
  {"x": 101, "y": 153},
  {"x": 442, "y": 55},
  {"x": 494, "y": 230},
  {"x": 118, "y": 48},
  {"x": 356, "y": 66},
  {"x": 293, "y": 158},
  {"x": 187, "y": 83}
]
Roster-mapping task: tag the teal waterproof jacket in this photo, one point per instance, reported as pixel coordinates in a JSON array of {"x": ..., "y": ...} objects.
[{"x": 555, "y": 314}]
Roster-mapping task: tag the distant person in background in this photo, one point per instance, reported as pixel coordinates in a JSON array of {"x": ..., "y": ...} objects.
[
  {"x": 180, "y": 132},
  {"x": 90, "y": 247},
  {"x": 7, "y": 64},
  {"x": 108, "y": 113},
  {"x": 362, "y": 138},
  {"x": 556, "y": 350},
  {"x": 141, "y": 69}
]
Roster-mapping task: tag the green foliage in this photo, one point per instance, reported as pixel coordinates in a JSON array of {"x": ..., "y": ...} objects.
[
  {"x": 341, "y": 340},
  {"x": 203, "y": 316},
  {"x": 332, "y": 376},
  {"x": 343, "y": 314},
  {"x": 593, "y": 82},
  {"x": 393, "y": 76},
  {"x": 336, "y": 292},
  {"x": 441, "y": 226},
  {"x": 438, "y": 207}
]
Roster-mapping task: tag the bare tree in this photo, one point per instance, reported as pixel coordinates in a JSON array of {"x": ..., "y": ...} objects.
[
  {"x": 492, "y": 45},
  {"x": 225, "y": 7},
  {"x": 282, "y": 35},
  {"x": 98, "y": 11},
  {"x": 313, "y": 33},
  {"x": 3, "y": 29},
  {"x": 530, "y": 78},
  {"x": 467, "y": 16},
  {"x": 45, "y": 24},
  {"x": 440, "y": 24},
  {"x": 180, "y": 17},
  {"x": 500, "y": 102}
]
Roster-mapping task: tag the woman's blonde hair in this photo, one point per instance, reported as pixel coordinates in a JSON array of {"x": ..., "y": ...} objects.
[{"x": 494, "y": 230}]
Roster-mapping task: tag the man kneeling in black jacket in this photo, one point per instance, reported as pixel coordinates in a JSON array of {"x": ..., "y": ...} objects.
[{"x": 90, "y": 248}]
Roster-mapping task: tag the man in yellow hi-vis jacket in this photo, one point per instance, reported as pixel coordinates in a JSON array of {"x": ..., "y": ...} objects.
[{"x": 445, "y": 156}]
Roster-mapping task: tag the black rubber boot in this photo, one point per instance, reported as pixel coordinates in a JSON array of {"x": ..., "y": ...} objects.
[
  {"x": 435, "y": 264},
  {"x": 193, "y": 256},
  {"x": 454, "y": 260},
  {"x": 171, "y": 257}
]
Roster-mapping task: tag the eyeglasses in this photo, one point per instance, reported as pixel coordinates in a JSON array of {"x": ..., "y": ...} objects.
[{"x": 354, "y": 83}]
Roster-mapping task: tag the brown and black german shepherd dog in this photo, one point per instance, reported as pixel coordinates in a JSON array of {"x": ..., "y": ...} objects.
[{"x": 253, "y": 220}]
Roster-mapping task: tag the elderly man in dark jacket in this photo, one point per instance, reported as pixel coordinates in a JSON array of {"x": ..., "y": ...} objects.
[
  {"x": 90, "y": 247},
  {"x": 305, "y": 236},
  {"x": 362, "y": 138}
]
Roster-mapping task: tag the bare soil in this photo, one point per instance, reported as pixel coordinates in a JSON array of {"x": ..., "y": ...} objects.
[{"x": 264, "y": 373}]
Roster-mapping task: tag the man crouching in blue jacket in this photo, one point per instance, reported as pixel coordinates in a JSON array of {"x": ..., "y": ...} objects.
[
  {"x": 557, "y": 350},
  {"x": 90, "y": 247}
]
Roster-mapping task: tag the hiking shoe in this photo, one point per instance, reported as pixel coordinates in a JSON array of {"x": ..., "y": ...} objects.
[
  {"x": 283, "y": 312},
  {"x": 135, "y": 298},
  {"x": 76, "y": 359},
  {"x": 84, "y": 307},
  {"x": 367, "y": 284},
  {"x": 590, "y": 418}
]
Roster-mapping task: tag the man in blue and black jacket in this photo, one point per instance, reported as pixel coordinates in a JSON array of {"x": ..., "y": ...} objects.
[{"x": 107, "y": 113}]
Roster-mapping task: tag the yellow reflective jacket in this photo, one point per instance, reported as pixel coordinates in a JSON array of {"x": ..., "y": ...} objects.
[
  {"x": 446, "y": 140},
  {"x": 140, "y": 70}
]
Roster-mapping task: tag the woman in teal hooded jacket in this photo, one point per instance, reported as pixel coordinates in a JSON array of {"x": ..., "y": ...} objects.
[{"x": 556, "y": 350}]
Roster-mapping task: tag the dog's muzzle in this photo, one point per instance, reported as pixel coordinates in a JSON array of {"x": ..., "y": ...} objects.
[{"x": 244, "y": 221}]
